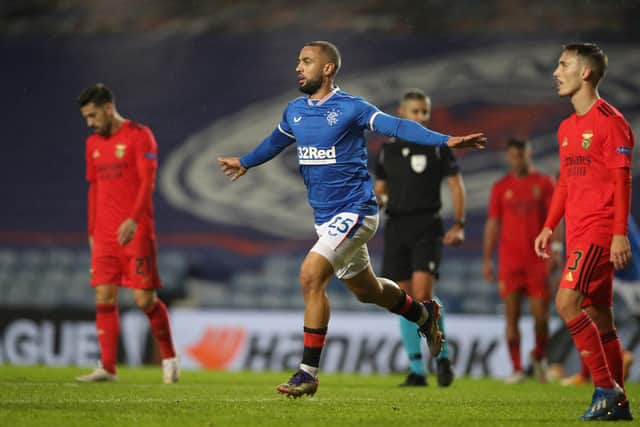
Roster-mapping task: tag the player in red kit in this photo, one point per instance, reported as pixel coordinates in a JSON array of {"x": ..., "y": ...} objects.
[
  {"x": 593, "y": 194},
  {"x": 121, "y": 159},
  {"x": 517, "y": 209}
]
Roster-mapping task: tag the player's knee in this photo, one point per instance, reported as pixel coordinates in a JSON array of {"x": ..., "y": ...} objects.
[
  {"x": 106, "y": 295},
  {"x": 567, "y": 306},
  {"x": 310, "y": 282},
  {"x": 144, "y": 300}
]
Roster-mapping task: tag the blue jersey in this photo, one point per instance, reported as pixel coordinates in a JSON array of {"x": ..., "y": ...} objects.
[{"x": 332, "y": 151}]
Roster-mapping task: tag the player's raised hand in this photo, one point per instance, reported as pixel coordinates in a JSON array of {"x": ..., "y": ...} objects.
[
  {"x": 126, "y": 231},
  {"x": 231, "y": 167},
  {"x": 541, "y": 245},
  {"x": 474, "y": 140},
  {"x": 620, "y": 251}
]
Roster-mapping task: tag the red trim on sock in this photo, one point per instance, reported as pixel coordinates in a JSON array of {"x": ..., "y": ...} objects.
[
  {"x": 314, "y": 340},
  {"x": 408, "y": 302},
  {"x": 106, "y": 308},
  {"x": 587, "y": 340}
]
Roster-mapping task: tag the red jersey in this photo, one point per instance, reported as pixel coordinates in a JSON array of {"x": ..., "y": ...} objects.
[
  {"x": 591, "y": 145},
  {"x": 116, "y": 165},
  {"x": 521, "y": 205}
]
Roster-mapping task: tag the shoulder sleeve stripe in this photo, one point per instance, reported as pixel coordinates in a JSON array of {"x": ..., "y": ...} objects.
[
  {"x": 606, "y": 110},
  {"x": 373, "y": 116},
  {"x": 286, "y": 133}
]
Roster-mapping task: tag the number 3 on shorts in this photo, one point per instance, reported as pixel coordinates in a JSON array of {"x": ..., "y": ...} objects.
[{"x": 577, "y": 256}]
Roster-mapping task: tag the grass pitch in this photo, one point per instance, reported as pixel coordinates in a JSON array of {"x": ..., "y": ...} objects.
[{"x": 42, "y": 396}]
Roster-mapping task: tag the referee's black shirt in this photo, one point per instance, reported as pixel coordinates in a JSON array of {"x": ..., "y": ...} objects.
[{"x": 413, "y": 174}]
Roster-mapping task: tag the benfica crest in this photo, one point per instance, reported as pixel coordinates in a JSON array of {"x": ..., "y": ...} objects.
[
  {"x": 536, "y": 191},
  {"x": 120, "y": 148},
  {"x": 586, "y": 139}
]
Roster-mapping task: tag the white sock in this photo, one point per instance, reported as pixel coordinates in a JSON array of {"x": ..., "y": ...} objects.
[
  {"x": 423, "y": 317},
  {"x": 309, "y": 370}
]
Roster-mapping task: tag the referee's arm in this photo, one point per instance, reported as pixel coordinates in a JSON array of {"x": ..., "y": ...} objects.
[
  {"x": 380, "y": 185},
  {"x": 455, "y": 235}
]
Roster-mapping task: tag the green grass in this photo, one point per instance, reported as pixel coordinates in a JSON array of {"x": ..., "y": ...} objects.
[{"x": 42, "y": 396}]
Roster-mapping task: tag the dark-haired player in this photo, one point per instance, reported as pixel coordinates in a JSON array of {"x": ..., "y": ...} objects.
[
  {"x": 593, "y": 195},
  {"x": 328, "y": 126},
  {"x": 518, "y": 206},
  {"x": 121, "y": 158}
]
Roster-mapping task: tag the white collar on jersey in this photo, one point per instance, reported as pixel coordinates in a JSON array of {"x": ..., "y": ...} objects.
[{"x": 318, "y": 102}]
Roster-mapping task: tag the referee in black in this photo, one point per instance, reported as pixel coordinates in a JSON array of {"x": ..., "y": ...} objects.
[{"x": 408, "y": 179}]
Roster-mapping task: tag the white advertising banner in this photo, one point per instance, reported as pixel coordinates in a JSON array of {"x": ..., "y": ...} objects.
[{"x": 356, "y": 342}]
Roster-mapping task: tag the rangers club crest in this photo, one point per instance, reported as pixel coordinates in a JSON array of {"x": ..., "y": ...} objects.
[
  {"x": 586, "y": 139},
  {"x": 418, "y": 163},
  {"x": 332, "y": 117},
  {"x": 120, "y": 148}
]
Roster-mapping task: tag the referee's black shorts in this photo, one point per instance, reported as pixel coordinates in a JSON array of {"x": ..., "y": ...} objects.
[{"x": 412, "y": 243}]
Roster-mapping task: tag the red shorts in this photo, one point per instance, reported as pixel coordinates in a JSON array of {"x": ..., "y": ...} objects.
[
  {"x": 589, "y": 271},
  {"x": 531, "y": 279},
  {"x": 133, "y": 265}
]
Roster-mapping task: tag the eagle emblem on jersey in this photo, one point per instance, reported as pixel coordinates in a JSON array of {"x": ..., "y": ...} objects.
[
  {"x": 332, "y": 117},
  {"x": 95, "y": 154},
  {"x": 405, "y": 151},
  {"x": 418, "y": 163},
  {"x": 586, "y": 139},
  {"x": 508, "y": 194},
  {"x": 565, "y": 142},
  {"x": 120, "y": 148}
]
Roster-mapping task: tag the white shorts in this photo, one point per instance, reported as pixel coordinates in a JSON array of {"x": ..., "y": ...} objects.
[{"x": 343, "y": 242}]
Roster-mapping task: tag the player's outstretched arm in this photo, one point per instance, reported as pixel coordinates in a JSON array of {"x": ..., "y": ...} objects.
[
  {"x": 474, "y": 140},
  {"x": 271, "y": 146},
  {"x": 232, "y": 167},
  {"x": 408, "y": 130}
]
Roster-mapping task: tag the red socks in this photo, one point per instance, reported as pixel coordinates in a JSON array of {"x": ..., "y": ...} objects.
[
  {"x": 540, "y": 350},
  {"x": 159, "y": 321},
  {"x": 108, "y": 329},
  {"x": 514, "y": 352},
  {"x": 587, "y": 339},
  {"x": 613, "y": 351}
]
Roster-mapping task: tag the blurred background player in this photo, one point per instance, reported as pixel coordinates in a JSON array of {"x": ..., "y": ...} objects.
[
  {"x": 121, "y": 158},
  {"x": 593, "y": 195},
  {"x": 328, "y": 126},
  {"x": 408, "y": 180},
  {"x": 518, "y": 206}
]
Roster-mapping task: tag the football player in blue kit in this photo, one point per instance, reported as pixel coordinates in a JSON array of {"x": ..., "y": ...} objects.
[{"x": 328, "y": 126}]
